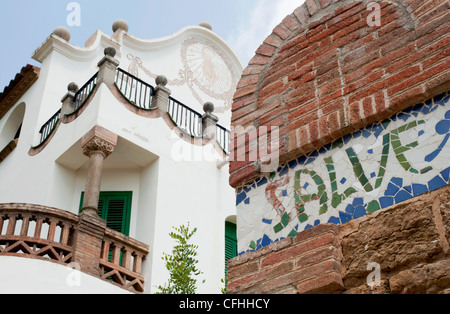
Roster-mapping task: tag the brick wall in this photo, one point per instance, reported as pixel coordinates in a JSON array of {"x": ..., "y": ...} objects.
[
  {"x": 325, "y": 71},
  {"x": 409, "y": 242}
]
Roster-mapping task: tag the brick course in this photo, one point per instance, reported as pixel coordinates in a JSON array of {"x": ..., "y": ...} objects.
[{"x": 334, "y": 74}]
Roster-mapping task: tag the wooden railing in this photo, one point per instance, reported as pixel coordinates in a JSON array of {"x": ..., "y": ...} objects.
[{"x": 41, "y": 232}]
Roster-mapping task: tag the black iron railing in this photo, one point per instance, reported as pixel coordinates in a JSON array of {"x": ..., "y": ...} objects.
[
  {"x": 84, "y": 92},
  {"x": 185, "y": 118},
  {"x": 49, "y": 126},
  {"x": 223, "y": 138},
  {"x": 138, "y": 92}
]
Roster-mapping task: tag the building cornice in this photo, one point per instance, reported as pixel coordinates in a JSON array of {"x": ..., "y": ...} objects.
[{"x": 73, "y": 52}]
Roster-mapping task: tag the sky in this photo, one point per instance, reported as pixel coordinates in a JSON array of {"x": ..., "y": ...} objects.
[{"x": 25, "y": 24}]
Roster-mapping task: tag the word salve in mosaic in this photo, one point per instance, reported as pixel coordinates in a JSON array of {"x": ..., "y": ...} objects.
[{"x": 384, "y": 164}]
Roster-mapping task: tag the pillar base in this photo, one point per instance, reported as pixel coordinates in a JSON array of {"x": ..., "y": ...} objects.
[{"x": 90, "y": 211}]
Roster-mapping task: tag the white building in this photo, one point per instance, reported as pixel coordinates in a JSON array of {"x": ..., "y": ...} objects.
[{"x": 162, "y": 169}]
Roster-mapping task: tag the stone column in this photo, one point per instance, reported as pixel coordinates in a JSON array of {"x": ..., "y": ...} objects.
[
  {"x": 209, "y": 121},
  {"x": 98, "y": 144},
  {"x": 160, "y": 99}
]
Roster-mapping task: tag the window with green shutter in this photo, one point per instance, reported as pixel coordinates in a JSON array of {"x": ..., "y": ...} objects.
[
  {"x": 115, "y": 208},
  {"x": 230, "y": 243}
]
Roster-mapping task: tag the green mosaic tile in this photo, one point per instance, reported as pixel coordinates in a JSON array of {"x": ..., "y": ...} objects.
[
  {"x": 303, "y": 218},
  {"x": 373, "y": 207}
]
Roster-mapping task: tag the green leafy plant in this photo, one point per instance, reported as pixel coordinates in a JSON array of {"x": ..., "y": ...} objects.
[
  {"x": 182, "y": 263},
  {"x": 225, "y": 283}
]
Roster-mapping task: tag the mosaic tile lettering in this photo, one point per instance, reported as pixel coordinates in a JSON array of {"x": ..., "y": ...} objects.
[{"x": 384, "y": 164}]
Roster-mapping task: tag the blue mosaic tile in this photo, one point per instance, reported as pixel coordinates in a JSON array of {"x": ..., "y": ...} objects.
[
  {"x": 345, "y": 217},
  {"x": 266, "y": 241},
  {"x": 408, "y": 189},
  {"x": 443, "y": 127},
  {"x": 366, "y": 134},
  {"x": 397, "y": 181},
  {"x": 419, "y": 189},
  {"x": 436, "y": 183},
  {"x": 385, "y": 202},
  {"x": 334, "y": 220},
  {"x": 246, "y": 189},
  {"x": 283, "y": 171},
  {"x": 391, "y": 190},
  {"x": 439, "y": 99},
  {"x": 360, "y": 211},
  {"x": 371, "y": 169},
  {"x": 240, "y": 198},
  {"x": 350, "y": 209},
  {"x": 402, "y": 196},
  {"x": 403, "y": 116},
  {"x": 262, "y": 182},
  {"x": 301, "y": 161},
  {"x": 446, "y": 174},
  {"x": 267, "y": 221},
  {"x": 292, "y": 164}
]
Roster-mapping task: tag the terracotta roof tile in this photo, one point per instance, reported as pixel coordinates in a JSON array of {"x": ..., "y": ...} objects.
[{"x": 17, "y": 87}]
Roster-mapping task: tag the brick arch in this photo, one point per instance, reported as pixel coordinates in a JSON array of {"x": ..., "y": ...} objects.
[{"x": 324, "y": 72}]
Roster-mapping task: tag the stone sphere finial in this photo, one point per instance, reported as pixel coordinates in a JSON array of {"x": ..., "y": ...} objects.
[
  {"x": 120, "y": 24},
  {"x": 63, "y": 32},
  {"x": 110, "y": 51},
  {"x": 206, "y": 25},
  {"x": 72, "y": 87},
  {"x": 161, "y": 80},
  {"x": 208, "y": 107}
]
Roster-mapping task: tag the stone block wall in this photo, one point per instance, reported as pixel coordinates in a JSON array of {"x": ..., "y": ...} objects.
[{"x": 409, "y": 242}]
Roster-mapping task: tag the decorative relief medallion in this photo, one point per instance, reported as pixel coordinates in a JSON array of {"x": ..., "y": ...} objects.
[{"x": 205, "y": 70}]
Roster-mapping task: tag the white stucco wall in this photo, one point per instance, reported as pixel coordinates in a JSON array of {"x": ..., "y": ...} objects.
[
  {"x": 167, "y": 191},
  {"x": 30, "y": 276}
]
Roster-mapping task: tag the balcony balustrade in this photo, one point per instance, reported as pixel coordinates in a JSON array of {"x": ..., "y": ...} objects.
[
  {"x": 139, "y": 94},
  {"x": 58, "y": 236}
]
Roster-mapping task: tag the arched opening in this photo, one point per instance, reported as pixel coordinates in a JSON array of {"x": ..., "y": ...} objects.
[{"x": 13, "y": 126}]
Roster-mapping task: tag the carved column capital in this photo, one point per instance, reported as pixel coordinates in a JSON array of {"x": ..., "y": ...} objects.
[
  {"x": 99, "y": 141},
  {"x": 97, "y": 145}
]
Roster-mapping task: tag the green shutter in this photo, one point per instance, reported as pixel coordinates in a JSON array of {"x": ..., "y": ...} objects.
[
  {"x": 115, "y": 208},
  {"x": 230, "y": 243}
]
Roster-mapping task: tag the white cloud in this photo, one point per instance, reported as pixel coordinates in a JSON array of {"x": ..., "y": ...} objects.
[{"x": 263, "y": 18}]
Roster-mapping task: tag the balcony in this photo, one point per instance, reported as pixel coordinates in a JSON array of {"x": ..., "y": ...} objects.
[
  {"x": 50, "y": 234},
  {"x": 142, "y": 97}
]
